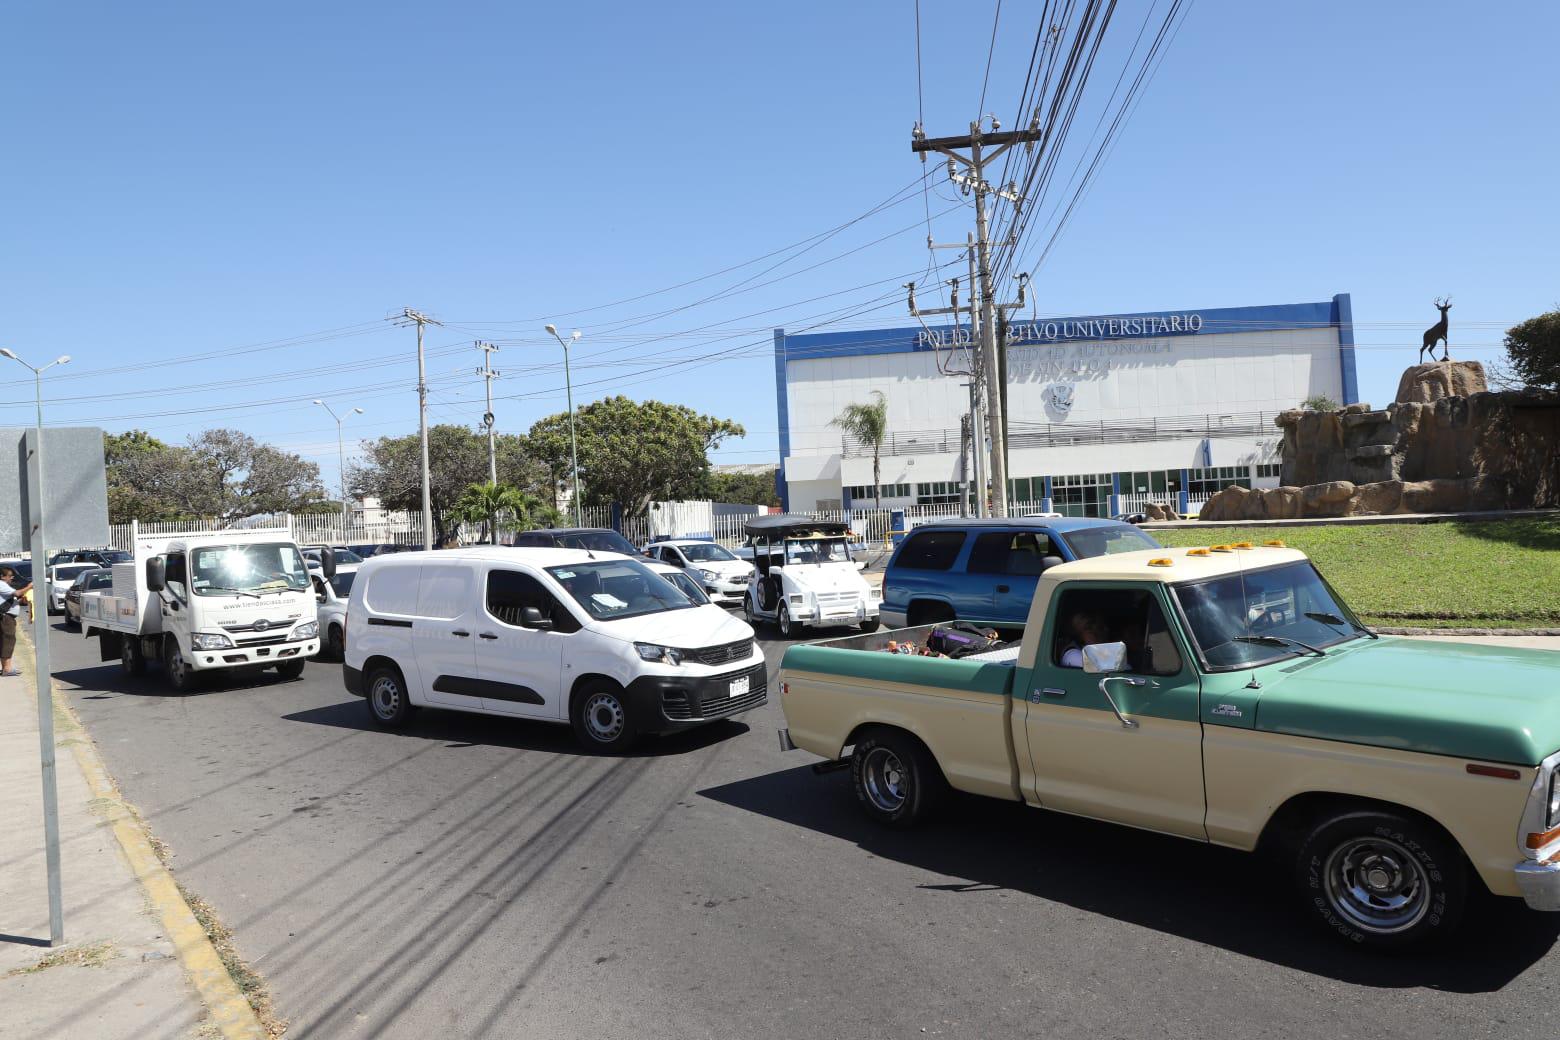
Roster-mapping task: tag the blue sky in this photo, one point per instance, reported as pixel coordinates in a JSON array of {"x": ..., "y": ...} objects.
[{"x": 214, "y": 207}]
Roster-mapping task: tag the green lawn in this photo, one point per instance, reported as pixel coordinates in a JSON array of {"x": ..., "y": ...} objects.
[{"x": 1494, "y": 573}]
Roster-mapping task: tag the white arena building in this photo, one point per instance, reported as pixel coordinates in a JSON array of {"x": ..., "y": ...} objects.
[{"x": 1105, "y": 413}]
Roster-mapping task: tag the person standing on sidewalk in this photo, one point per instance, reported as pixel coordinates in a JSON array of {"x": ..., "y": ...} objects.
[{"x": 11, "y": 599}]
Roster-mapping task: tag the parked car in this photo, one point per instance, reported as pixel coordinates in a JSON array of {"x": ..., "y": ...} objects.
[
  {"x": 1230, "y": 697},
  {"x": 94, "y": 580},
  {"x": 61, "y": 575},
  {"x": 314, "y": 554},
  {"x": 985, "y": 570},
  {"x": 96, "y": 557},
  {"x": 720, "y": 573},
  {"x": 565, "y": 636},
  {"x": 1131, "y": 518},
  {"x": 804, "y": 576},
  {"x": 597, "y": 539},
  {"x": 23, "y": 568},
  {"x": 332, "y": 595},
  {"x": 679, "y": 577}
]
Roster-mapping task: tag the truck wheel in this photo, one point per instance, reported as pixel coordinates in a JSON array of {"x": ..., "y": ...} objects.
[
  {"x": 175, "y": 668},
  {"x": 131, "y": 661},
  {"x": 870, "y": 625},
  {"x": 388, "y": 704},
  {"x": 1380, "y": 879},
  {"x": 897, "y": 780},
  {"x": 290, "y": 669},
  {"x": 783, "y": 620},
  {"x": 601, "y": 719}
]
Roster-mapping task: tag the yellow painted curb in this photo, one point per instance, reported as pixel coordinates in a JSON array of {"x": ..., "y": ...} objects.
[{"x": 230, "y": 1012}]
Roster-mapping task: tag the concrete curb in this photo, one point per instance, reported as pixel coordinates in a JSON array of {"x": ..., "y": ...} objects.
[
  {"x": 1513, "y": 632},
  {"x": 229, "y": 1010}
]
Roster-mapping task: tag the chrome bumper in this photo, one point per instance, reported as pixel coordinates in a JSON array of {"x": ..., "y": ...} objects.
[{"x": 1540, "y": 885}]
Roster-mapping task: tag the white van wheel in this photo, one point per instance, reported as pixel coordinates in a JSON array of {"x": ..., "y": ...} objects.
[
  {"x": 601, "y": 718},
  {"x": 388, "y": 704}
]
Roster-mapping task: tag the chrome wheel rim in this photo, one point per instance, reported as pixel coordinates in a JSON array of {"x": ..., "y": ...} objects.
[
  {"x": 604, "y": 717},
  {"x": 385, "y": 697},
  {"x": 1377, "y": 885},
  {"x": 886, "y": 780},
  {"x": 784, "y": 618}
]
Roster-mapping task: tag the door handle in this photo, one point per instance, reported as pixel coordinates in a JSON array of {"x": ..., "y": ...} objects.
[
  {"x": 1002, "y": 588},
  {"x": 460, "y": 632},
  {"x": 487, "y": 635},
  {"x": 1053, "y": 691},
  {"x": 1105, "y": 689}
]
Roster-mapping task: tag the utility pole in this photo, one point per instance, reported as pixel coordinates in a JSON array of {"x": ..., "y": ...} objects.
[
  {"x": 973, "y": 179},
  {"x": 411, "y": 317},
  {"x": 488, "y": 375},
  {"x": 341, "y": 460}
]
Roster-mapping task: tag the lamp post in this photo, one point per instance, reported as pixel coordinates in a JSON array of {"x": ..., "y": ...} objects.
[
  {"x": 341, "y": 458},
  {"x": 574, "y": 446},
  {"x": 43, "y": 672}
]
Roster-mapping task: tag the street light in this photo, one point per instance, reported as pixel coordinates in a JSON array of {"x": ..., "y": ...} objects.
[
  {"x": 574, "y": 447},
  {"x": 341, "y": 458},
  {"x": 44, "y": 674}
]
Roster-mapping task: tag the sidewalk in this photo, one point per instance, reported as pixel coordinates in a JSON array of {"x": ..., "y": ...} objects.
[{"x": 119, "y": 973}]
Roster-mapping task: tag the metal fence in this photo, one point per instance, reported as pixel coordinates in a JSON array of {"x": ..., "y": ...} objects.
[{"x": 1061, "y": 434}]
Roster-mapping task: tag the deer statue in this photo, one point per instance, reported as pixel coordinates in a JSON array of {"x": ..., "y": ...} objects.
[{"x": 1437, "y": 332}]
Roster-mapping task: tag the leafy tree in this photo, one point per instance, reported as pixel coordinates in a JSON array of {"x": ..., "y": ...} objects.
[
  {"x": 125, "y": 457},
  {"x": 745, "y": 488},
  {"x": 457, "y": 458},
  {"x": 487, "y": 503},
  {"x": 223, "y": 475},
  {"x": 867, "y": 424},
  {"x": 1319, "y": 403},
  {"x": 1533, "y": 351},
  {"x": 632, "y": 452}
]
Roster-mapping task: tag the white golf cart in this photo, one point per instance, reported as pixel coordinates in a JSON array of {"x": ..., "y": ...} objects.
[{"x": 804, "y": 576}]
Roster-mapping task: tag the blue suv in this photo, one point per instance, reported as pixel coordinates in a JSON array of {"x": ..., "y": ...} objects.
[{"x": 986, "y": 570}]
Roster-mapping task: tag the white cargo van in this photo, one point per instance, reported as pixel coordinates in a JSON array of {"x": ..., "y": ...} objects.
[
  {"x": 207, "y": 602},
  {"x": 595, "y": 640}
]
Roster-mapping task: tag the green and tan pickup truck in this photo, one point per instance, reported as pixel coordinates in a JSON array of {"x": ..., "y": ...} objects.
[{"x": 1226, "y": 695}]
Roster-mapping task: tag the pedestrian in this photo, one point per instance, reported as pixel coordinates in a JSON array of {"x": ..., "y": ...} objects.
[{"x": 12, "y": 597}]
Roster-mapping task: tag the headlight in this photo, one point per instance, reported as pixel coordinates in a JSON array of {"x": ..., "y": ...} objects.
[
  {"x": 659, "y": 654},
  {"x": 1552, "y": 811},
  {"x": 307, "y": 630},
  {"x": 210, "y": 641},
  {"x": 709, "y": 575},
  {"x": 875, "y": 593},
  {"x": 796, "y": 599}
]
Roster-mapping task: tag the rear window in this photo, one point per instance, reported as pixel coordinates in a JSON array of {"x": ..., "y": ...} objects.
[
  {"x": 533, "y": 539},
  {"x": 392, "y": 590},
  {"x": 930, "y": 550}
]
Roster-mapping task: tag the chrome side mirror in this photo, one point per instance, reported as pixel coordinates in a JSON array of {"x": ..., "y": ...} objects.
[{"x": 1105, "y": 657}]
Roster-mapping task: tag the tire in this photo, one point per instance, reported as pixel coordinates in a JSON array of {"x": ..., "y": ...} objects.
[
  {"x": 602, "y": 721},
  {"x": 389, "y": 705},
  {"x": 748, "y": 613},
  {"x": 897, "y": 781},
  {"x": 870, "y": 625},
  {"x": 335, "y": 646},
  {"x": 1380, "y": 879},
  {"x": 175, "y": 669},
  {"x": 291, "y": 669},
  {"x": 783, "y": 621},
  {"x": 131, "y": 660}
]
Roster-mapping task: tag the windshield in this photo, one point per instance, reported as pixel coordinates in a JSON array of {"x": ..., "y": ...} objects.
[
  {"x": 263, "y": 567},
  {"x": 598, "y": 541},
  {"x": 1263, "y": 616},
  {"x": 70, "y": 571},
  {"x": 1089, "y": 542},
  {"x": 690, "y": 588},
  {"x": 816, "y": 550},
  {"x": 706, "y": 552},
  {"x": 613, "y": 589}
]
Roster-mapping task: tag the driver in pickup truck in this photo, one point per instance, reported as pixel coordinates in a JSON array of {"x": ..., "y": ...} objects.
[{"x": 1087, "y": 628}]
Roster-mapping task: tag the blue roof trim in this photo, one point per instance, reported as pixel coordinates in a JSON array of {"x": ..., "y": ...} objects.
[
  {"x": 783, "y": 411},
  {"x": 1136, "y": 325},
  {"x": 1343, "y": 317}
]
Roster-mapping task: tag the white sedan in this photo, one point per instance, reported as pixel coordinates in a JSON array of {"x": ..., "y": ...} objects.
[{"x": 723, "y": 576}]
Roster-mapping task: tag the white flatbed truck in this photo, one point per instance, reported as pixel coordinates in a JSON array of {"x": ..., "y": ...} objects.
[{"x": 205, "y": 603}]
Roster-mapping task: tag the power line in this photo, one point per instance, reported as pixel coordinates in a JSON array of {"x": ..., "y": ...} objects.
[{"x": 980, "y": 109}]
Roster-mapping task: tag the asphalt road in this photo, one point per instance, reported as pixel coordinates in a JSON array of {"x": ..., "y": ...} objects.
[{"x": 480, "y": 877}]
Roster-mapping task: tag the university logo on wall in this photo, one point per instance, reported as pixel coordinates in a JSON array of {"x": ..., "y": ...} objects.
[{"x": 1059, "y": 397}]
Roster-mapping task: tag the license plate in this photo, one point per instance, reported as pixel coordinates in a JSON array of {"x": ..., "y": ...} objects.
[{"x": 739, "y": 686}]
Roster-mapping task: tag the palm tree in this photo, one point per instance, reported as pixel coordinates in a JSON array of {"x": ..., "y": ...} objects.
[
  {"x": 868, "y": 424},
  {"x": 484, "y": 503}
]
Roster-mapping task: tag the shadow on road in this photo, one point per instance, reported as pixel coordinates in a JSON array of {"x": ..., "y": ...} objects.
[
  {"x": 465, "y": 729},
  {"x": 1199, "y": 892},
  {"x": 108, "y": 678}
]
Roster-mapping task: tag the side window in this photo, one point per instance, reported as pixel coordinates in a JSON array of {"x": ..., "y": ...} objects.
[
  {"x": 174, "y": 573},
  {"x": 392, "y": 590},
  {"x": 319, "y": 588},
  {"x": 1009, "y": 552},
  {"x": 931, "y": 550},
  {"x": 1131, "y": 616},
  {"x": 532, "y": 539},
  {"x": 510, "y": 592},
  {"x": 444, "y": 591}
]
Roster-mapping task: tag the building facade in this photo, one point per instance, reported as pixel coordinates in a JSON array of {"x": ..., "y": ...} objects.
[{"x": 1103, "y": 411}]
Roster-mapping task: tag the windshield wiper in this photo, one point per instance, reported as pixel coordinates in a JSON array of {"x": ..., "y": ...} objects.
[
  {"x": 1327, "y": 618},
  {"x": 1281, "y": 641},
  {"x": 230, "y": 588}
]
